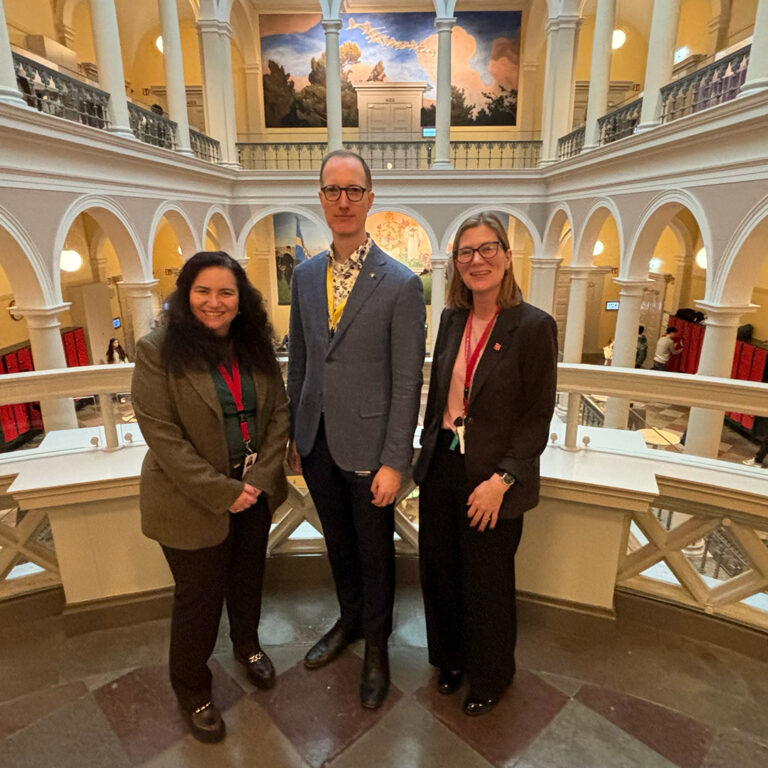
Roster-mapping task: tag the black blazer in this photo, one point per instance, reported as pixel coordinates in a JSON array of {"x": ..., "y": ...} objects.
[{"x": 511, "y": 403}]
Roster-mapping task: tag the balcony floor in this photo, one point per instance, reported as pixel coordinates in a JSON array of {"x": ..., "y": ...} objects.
[{"x": 622, "y": 695}]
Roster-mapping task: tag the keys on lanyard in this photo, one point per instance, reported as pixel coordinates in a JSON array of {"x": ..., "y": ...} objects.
[{"x": 458, "y": 436}]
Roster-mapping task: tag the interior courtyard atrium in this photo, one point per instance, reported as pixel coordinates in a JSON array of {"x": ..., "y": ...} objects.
[{"x": 624, "y": 146}]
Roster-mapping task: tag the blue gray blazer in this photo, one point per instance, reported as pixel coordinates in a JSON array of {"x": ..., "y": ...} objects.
[{"x": 366, "y": 382}]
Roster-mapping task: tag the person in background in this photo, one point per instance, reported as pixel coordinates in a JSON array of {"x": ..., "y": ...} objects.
[
  {"x": 759, "y": 458},
  {"x": 491, "y": 399},
  {"x": 608, "y": 352},
  {"x": 211, "y": 405},
  {"x": 115, "y": 353},
  {"x": 642, "y": 347},
  {"x": 669, "y": 344}
]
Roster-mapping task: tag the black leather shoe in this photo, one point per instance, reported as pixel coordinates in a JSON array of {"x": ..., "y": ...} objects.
[
  {"x": 259, "y": 667},
  {"x": 328, "y": 647},
  {"x": 474, "y": 706},
  {"x": 206, "y": 723},
  {"x": 374, "y": 683},
  {"x": 449, "y": 681}
]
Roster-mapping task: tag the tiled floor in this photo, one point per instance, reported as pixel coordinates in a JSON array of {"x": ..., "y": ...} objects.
[{"x": 628, "y": 695}]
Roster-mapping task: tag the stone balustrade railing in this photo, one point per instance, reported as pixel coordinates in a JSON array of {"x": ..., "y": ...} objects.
[
  {"x": 151, "y": 128},
  {"x": 204, "y": 146},
  {"x": 713, "y": 84}
]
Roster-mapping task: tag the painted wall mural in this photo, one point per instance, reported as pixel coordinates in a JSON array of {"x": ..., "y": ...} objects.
[
  {"x": 393, "y": 47},
  {"x": 297, "y": 238}
]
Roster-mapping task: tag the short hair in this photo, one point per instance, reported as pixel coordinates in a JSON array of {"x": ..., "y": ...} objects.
[
  {"x": 355, "y": 156},
  {"x": 458, "y": 295},
  {"x": 671, "y": 329},
  {"x": 640, "y": 328}
]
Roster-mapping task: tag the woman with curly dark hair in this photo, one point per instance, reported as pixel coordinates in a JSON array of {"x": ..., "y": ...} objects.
[
  {"x": 210, "y": 402},
  {"x": 115, "y": 353}
]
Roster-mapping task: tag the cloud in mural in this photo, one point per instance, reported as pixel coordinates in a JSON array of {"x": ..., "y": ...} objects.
[
  {"x": 504, "y": 63},
  {"x": 377, "y": 37},
  {"x": 463, "y": 75},
  {"x": 287, "y": 23}
]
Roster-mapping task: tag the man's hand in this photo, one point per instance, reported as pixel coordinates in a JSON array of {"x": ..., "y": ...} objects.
[
  {"x": 484, "y": 503},
  {"x": 385, "y": 485},
  {"x": 247, "y": 498},
  {"x": 294, "y": 460}
]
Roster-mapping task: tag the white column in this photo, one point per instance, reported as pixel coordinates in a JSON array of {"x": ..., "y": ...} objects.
[
  {"x": 600, "y": 70},
  {"x": 661, "y": 52},
  {"x": 9, "y": 91},
  {"x": 444, "y": 27},
  {"x": 331, "y": 27},
  {"x": 106, "y": 41},
  {"x": 705, "y": 426},
  {"x": 439, "y": 268},
  {"x": 577, "y": 315},
  {"x": 140, "y": 299},
  {"x": 625, "y": 344},
  {"x": 218, "y": 89},
  {"x": 543, "y": 279},
  {"x": 174, "y": 74},
  {"x": 757, "y": 69},
  {"x": 561, "y": 37},
  {"x": 48, "y": 353}
]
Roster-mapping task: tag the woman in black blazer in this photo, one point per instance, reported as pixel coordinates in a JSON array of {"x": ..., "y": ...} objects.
[{"x": 491, "y": 398}]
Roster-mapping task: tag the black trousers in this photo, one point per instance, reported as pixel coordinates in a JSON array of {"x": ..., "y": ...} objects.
[
  {"x": 467, "y": 579},
  {"x": 205, "y": 578},
  {"x": 359, "y": 538}
]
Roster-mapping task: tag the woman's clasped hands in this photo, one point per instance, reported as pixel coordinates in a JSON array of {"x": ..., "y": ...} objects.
[{"x": 247, "y": 498}]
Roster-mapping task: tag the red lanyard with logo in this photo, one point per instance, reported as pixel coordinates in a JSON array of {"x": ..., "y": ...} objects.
[
  {"x": 235, "y": 389},
  {"x": 473, "y": 356}
]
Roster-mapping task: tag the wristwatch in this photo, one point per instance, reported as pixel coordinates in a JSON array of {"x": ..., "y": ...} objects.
[{"x": 506, "y": 478}]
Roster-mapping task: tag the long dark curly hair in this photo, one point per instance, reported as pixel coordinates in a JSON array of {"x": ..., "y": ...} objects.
[{"x": 189, "y": 345}]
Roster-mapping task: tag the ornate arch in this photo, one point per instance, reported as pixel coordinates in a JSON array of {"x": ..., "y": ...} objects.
[
  {"x": 181, "y": 225},
  {"x": 29, "y": 276},
  {"x": 584, "y": 241}
]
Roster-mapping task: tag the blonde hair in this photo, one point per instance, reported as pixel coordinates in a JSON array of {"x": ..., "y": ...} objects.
[{"x": 458, "y": 295}]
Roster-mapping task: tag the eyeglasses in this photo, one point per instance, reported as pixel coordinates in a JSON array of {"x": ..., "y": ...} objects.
[
  {"x": 332, "y": 193},
  {"x": 486, "y": 250}
]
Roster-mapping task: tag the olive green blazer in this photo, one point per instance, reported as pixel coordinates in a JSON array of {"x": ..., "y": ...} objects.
[{"x": 185, "y": 491}]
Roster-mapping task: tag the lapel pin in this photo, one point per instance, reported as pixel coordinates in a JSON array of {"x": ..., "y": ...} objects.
[
  {"x": 372, "y": 274},
  {"x": 496, "y": 347}
]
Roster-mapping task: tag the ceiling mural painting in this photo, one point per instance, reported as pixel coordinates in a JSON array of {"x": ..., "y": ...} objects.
[{"x": 391, "y": 48}]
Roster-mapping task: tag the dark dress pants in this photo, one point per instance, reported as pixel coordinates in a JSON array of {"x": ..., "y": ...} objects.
[
  {"x": 359, "y": 538},
  {"x": 205, "y": 578},
  {"x": 467, "y": 579}
]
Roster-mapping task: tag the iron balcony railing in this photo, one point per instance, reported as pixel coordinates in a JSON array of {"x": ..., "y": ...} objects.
[
  {"x": 391, "y": 155},
  {"x": 151, "y": 128},
  {"x": 570, "y": 144},
  {"x": 713, "y": 84},
  {"x": 204, "y": 146},
  {"x": 57, "y": 94},
  {"x": 620, "y": 123}
]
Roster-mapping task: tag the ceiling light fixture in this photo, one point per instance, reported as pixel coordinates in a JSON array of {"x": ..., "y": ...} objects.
[
  {"x": 598, "y": 249},
  {"x": 70, "y": 261},
  {"x": 159, "y": 43},
  {"x": 618, "y": 38},
  {"x": 701, "y": 258}
]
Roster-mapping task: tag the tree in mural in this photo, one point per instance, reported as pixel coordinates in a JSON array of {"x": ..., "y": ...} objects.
[
  {"x": 279, "y": 93},
  {"x": 461, "y": 112},
  {"x": 500, "y": 108}
]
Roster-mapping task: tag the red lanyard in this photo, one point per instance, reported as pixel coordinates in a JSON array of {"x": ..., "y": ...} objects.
[
  {"x": 472, "y": 358},
  {"x": 236, "y": 390}
]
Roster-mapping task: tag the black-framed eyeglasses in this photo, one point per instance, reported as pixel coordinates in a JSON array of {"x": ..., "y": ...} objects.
[
  {"x": 332, "y": 193},
  {"x": 486, "y": 250}
]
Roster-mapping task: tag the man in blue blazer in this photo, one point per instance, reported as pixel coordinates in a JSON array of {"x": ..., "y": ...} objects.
[{"x": 356, "y": 350}]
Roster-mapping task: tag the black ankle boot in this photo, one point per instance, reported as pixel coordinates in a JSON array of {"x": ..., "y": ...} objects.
[{"x": 374, "y": 683}]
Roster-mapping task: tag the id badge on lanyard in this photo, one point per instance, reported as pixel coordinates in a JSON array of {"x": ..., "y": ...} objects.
[{"x": 234, "y": 385}]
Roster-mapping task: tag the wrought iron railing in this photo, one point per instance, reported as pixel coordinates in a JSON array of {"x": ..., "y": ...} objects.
[
  {"x": 391, "y": 155},
  {"x": 204, "y": 146},
  {"x": 151, "y": 128},
  {"x": 495, "y": 154},
  {"x": 570, "y": 144},
  {"x": 620, "y": 122},
  {"x": 713, "y": 84},
  {"x": 281, "y": 156},
  {"x": 57, "y": 94}
]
